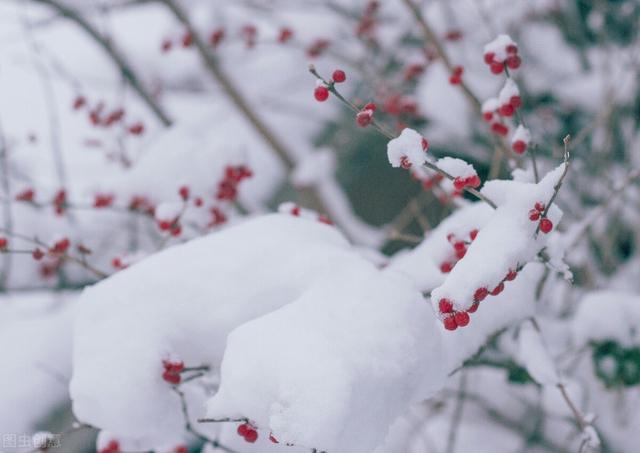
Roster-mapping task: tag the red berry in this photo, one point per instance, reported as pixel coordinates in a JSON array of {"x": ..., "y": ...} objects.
[
  {"x": 184, "y": 192},
  {"x": 546, "y": 225},
  {"x": 450, "y": 323},
  {"x": 173, "y": 367},
  {"x": 364, "y": 117},
  {"x": 473, "y": 234},
  {"x": 26, "y": 195},
  {"x": 499, "y": 128},
  {"x": 487, "y": 116},
  {"x": 187, "y": 39},
  {"x": 511, "y": 275},
  {"x": 339, "y": 76},
  {"x": 136, "y": 129},
  {"x": 498, "y": 289},
  {"x": 514, "y": 62},
  {"x": 473, "y": 181},
  {"x": 480, "y": 294},
  {"x": 473, "y": 308},
  {"x": 164, "y": 225},
  {"x": 512, "y": 49},
  {"x": 37, "y": 254},
  {"x": 515, "y": 101},
  {"x": 325, "y": 219},
  {"x": 243, "y": 429},
  {"x": 461, "y": 253},
  {"x": 446, "y": 267},
  {"x": 181, "y": 449},
  {"x": 519, "y": 146},
  {"x": 251, "y": 436},
  {"x": 534, "y": 215},
  {"x": 216, "y": 37},
  {"x": 425, "y": 144},
  {"x": 445, "y": 306},
  {"x": 3, "y": 242},
  {"x": 285, "y": 35},
  {"x": 461, "y": 318},
  {"x": 506, "y": 110},
  {"x": 370, "y": 106},
  {"x": 496, "y": 67},
  {"x": 171, "y": 378},
  {"x": 405, "y": 162},
  {"x": 60, "y": 246},
  {"x": 79, "y": 102},
  {"x": 459, "y": 183},
  {"x": 455, "y": 80},
  {"x": 539, "y": 206},
  {"x": 321, "y": 93},
  {"x": 488, "y": 57}
]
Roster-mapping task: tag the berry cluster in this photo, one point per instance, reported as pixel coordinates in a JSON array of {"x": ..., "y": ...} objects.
[
  {"x": 500, "y": 53},
  {"x": 27, "y": 195},
  {"x": 99, "y": 116},
  {"x": 248, "y": 432},
  {"x": 470, "y": 181},
  {"x": 60, "y": 202},
  {"x": 60, "y": 246},
  {"x": 616, "y": 365},
  {"x": 459, "y": 250},
  {"x": 112, "y": 447},
  {"x": 172, "y": 370},
  {"x": 233, "y": 176},
  {"x": 537, "y": 214},
  {"x": 456, "y": 76},
  {"x": 509, "y": 99},
  {"x": 321, "y": 92},
  {"x": 103, "y": 200},
  {"x": 452, "y": 319},
  {"x": 520, "y": 140}
]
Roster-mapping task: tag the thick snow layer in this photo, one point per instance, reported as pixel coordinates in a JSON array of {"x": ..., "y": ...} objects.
[
  {"x": 521, "y": 134},
  {"x": 407, "y": 145},
  {"x": 507, "y": 241},
  {"x": 509, "y": 90},
  {"x": 499, "y": 47},
  {"x": 621, "y": 310},
  {"x": 184, "y": 301}
]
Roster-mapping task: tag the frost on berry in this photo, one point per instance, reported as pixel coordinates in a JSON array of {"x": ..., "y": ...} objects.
[
  {"x": 520, "y": 139},
  {"x": 408, "y": 145},
  {"x": 463, "y": 173},
  {"x": 502, "y": 50}
]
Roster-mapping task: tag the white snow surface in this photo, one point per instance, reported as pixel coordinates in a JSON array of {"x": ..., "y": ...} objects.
[{"x": 408, "y": 144}]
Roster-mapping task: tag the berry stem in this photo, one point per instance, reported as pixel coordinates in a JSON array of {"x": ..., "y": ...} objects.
[{"x": 556, "y": 188}]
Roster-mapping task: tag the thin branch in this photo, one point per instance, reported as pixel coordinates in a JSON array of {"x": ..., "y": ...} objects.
[
  {"x": 119, "y": 59},
  {"x": 558, "y": 186}
]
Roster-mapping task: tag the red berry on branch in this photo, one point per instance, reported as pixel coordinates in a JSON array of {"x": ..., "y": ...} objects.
[
  {"x": 79, "y": 102},
  {"x": 187, "y": 39},
  {"x": 321, "y": 93},
  {"x": 515, "y": 101},
  {"x": 519, "y": 146},
  {"x": 251, "y": 436},
  {"x": 480, "y": 294},
  {"x": 339, "y": 76},
  {"x": 461, "y": 318},
  {"x": 37, "y": 254},
  {"x": 184, "y": 192},
  {"x": 512, "y": 49},
  {"x": 136, "y": 129},
  {"x": 506, "y": 110},
  {"x": 450, "y": 323},
  {"x": 446, "y": 267},
  {"x": 425, "y": 144},
  {"x": 498, "y": 289},
  {"x": 26, "y": 195},
  {"x": 60, "y": 246},
  {"x": 445, "y": 306},
  {"x": 500, "y": 129},
  {"x": 514, "y": 62},
  {"x": 473, "y": 234},
  {"x": 243, "y": 429},
  {"x": 4, "y": 242},
  {"x": 285, "y": 35},
  {"x": 488, "y": 57},
  {"x": 546, "y": 225},
  {"x": 511, "y": 275},
  {"x": 473, "y": 308},
  {"x": 216, "y": 37},
  {"x": 534, "y": 215},
  {"x": 496, "y": 67},
  {"x": 370, "y": 106},
  {"x": 405, "y": 162},
  {"x": 539, "y": 206},
  {"x": 171, "y": 378}
]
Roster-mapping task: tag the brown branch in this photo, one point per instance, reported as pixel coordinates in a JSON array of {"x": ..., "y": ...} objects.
[
  {"x": 119, "y": 59},
  {"x": 284, "y": 153}
]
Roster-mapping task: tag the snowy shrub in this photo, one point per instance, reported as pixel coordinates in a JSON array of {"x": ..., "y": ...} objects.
[{"x": 205, "y": 248}]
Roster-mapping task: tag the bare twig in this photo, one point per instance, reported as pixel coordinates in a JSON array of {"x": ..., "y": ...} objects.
[{"x": 125, "y": 68}]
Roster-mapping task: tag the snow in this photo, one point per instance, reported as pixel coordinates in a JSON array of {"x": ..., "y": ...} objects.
[
  {"x": 408, "y": 145},
  {"x": 622, "y": 310},
  {"x": 457, "y": 168},
  {"x": 521, "y": 134},
  {"x": 508, "y": 238},
  {"x": 508, "y": 91},
  {"x": 499, "y": 47},
  {"x": 535, "y": 357}
]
